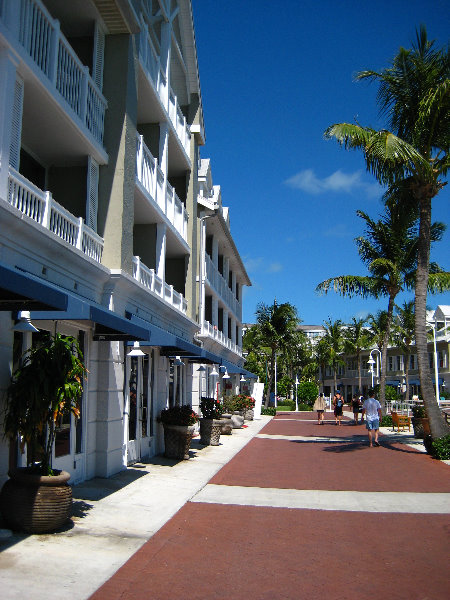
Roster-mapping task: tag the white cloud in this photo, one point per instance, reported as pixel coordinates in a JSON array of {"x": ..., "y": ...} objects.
[
  {"x": 307, "y": 181},
  {"x": 275, "y": 267}
]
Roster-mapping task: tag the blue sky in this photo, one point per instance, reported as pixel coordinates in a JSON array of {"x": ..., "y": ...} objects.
[{"x": 274, "y": 75}]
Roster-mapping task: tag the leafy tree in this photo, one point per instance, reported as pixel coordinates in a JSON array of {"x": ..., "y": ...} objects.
[
  {"x": 357, "y": 339},
  {"x": 276, "y": 328},
  {"x": 308, "y": 392},
  {"x": 333, "y": 341},
  {"x": 412, "y": 160},
  {"x": 404, "y": 335}
]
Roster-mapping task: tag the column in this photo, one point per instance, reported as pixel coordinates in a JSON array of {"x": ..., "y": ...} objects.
[
  {"x": 165, "y": 51},
  {"x": 233, "y": 330},
  {"x": 215, "y": 312},
  {"x": 226, "y": 268},
  {"x": 215, "y": 252},
  {"x": 225, "y": 323},
  {"x": 161, "y": 251}
]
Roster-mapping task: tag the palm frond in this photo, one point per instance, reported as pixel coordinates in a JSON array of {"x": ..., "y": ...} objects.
[
  {"x": 350, "y": 286},
  {"x": 439, "y": 282}
]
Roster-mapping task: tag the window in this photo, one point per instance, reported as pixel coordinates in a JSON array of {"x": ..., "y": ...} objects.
[
  {"x": 412, "y": 361},
  {"x": 390, "y": 363}
]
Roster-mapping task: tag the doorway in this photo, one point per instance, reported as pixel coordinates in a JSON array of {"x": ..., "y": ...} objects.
[{"x": 138, "y": 421}]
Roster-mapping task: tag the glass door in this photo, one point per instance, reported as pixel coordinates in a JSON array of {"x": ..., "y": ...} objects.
[{"x": 137, "y": 420}]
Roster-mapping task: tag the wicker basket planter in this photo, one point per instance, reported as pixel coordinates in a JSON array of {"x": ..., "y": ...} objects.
[
  {"x": 177, "y": 440},
  {"x": 36, "y": 503},
  {"x": 421, "y": 427},
  {"x": 248, "y": 414},
  {"x": 210, "y": 430}
]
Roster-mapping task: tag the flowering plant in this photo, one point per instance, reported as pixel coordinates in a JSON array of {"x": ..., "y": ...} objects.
[
  {"x": 243, "y": 402},
  {"x": 211, "y": 408},
  {"x": 179, "y": 415}
]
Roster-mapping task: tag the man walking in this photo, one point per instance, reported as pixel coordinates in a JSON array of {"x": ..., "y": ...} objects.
[{"x": 372, "y": 410}]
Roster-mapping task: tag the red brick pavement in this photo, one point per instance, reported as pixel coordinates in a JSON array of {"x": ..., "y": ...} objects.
[{"x": 209, "y": 551}]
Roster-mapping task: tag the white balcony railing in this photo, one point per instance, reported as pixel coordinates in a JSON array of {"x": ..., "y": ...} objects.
[
  {"x": 151, "y": 63},
  {"x": 40, "y": 206},
  {"x": 152, "y": 180},
  {"x": 214, "y": 333},
  {"x": 40, "y": 36},
  {"x": 220, "y": 285},
  {"x": 148, "y": 278}
]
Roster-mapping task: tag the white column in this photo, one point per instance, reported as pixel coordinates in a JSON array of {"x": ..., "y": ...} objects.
[
  {"x": 239, "y": 336},
  {"x": 166, "y": 45},
  {"x": 233, "y": 331},
  {"x": 225, "y": 323},
  {"x": 161, "y": 250},
  {"x": 226, "y": 268},
  {"x": 164, "y": 147},
  {"x": 8, "y": 66},
  {"x": 233, "y": 283}
]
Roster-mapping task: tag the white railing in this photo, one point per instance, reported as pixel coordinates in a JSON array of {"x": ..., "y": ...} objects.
[
  {"x": 40, "y": 206},
  {"x": 213, "y": 332},
  {"x": 152, "y": 179},
  {"x": 220, "y": 285},
  {"x": 151, "y": 63},
  {"x": 148, "y": 278},
  {"x": 40, "y": 36}
]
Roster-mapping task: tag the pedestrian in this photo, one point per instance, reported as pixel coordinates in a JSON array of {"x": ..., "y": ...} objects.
[
  {"x": 372, "y": 410},
  {"x": 338, "y": 406},
  {"x": 319, "y": 405},
  {"x": 355, "y": 406}
]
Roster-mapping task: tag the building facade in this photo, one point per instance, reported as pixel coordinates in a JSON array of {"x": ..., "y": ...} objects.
[{"x": 103, "y": 231}]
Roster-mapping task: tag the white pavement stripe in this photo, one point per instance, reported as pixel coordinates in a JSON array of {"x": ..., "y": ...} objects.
[
  {"x": 377, "y": 502},
  {"x": 316, "y": 438}
]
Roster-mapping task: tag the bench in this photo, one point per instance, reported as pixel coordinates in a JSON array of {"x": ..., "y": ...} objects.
[{"x": 400, "y": 421}]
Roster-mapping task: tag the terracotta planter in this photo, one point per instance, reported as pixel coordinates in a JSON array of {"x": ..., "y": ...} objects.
[
  {"x": 210, "y": 430},
  {"x": 421, "y": 427},
  {"x": 36, "y": 503},
  {"x": 177, "y": 440}
]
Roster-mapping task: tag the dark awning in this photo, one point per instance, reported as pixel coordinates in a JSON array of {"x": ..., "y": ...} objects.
[
  {"x": 20, "y": 290},
  {"x": 170, "y": 344},
  {"x": 109, "y": 326},
  {"x": 394, "y": 383}
]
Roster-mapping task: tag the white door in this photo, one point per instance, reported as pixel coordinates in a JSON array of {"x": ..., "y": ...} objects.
[{"x": 138, "y": 408}]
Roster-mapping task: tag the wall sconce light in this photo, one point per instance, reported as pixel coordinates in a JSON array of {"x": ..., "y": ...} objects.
[
  {"x": 23, "y": 322},
  {"x": 225, "y": 375},
  {"x": 214, "y": 373},
  {"x": 136, "y": 350},
  {"x": 201, "y": 369},
  {"x": 242, "y": 379}
]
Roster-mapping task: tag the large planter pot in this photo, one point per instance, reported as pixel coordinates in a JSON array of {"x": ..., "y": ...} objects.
[
  {"x": 210, "y": 430},
  {"x": 237, "y": 421},
  {"x": 177, "y": 440},
  {"x": 421, "y": 427},
  {"x": 227, "y": 425},
  {"x": 248, "y": 414},
  {"x": 36, "y": 503}
]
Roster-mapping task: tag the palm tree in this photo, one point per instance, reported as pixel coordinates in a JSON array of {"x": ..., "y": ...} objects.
[
  {"x": 377, "y": 328},
  {"x": 334, "y": 342},
  {"x": 414, "y": 96},
  {"x": 276, "y": 329},
  {"x": 322, "y": 358},
  {"x": 390, "y": 253},
  {"x": 404, "y": 335},
  {"x": 357, "y": 339}
]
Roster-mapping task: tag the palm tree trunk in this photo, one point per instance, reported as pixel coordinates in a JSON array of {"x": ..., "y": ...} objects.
[
  {"x": 406, "y": 369},
  {"x": 438, "y": 426},
  {"x": 384, "y": 350}
]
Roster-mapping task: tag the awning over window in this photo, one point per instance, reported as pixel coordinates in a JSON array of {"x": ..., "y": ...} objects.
[
  {"x": 20, "y": 290},
  {"x": 108, "y": 326}
]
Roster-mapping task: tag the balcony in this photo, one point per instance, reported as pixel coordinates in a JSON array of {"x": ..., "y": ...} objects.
[
  {"x": 151, "y": 65},
  {"x": 40, "y": 206},
  {"x": 220, "y": 285},
  {"x": 152, "y": 181},
  {"x": 43, "y": 44},
  {"x": 212, "y": 332},
  {"x": 148, "y": 278}
]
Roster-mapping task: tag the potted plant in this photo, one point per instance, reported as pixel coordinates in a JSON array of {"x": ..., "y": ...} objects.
[
  {"x": 179, "y": 425},
  {"x": 47, "y": 385},
  {"x": 421, "y": 424},
  {"x": 249, "y": 408},
  {"x": 210, "y": 423}
]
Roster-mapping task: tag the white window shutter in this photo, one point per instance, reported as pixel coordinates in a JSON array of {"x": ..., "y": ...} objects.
[
  {"x": 97, "y": 59},
  {"x": 92, "y": 193},
  {"x": 16, "y": 125}
]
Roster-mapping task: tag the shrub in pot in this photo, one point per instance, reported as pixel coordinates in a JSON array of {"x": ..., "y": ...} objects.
[
  {"x": 420, "y": 422},
  {"x": 179, "y": 424},
  {"x": 210, "y": 424},
  {"x": 47, "y": 385}
]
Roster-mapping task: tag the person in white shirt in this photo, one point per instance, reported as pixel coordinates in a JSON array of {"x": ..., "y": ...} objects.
[{"x": 372, "y": 411}]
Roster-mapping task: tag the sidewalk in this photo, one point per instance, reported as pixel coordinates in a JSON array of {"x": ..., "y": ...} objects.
[
  {"x": 284, "y": 509},
  {"x": 304, "y": 512},
  {"x": 112, "y": 519}
]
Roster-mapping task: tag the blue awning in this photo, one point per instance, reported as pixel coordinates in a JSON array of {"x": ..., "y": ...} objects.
[
  {"x": 413, "y": 382},
  {"x": 20, "y": 290},
  {"x": 109, "y": 326},
  {"x": 170, "y": 343},
  {"x": 394, "y": 383}
]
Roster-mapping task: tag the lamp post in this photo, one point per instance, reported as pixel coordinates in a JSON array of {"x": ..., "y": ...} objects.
[
  {"x": 436, "y": 373},
  {"x": 296, "y": 396},
  {"x": 371, "y": 362}
]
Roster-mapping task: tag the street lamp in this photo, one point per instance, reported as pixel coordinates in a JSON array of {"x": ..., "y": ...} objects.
[
  {"x": 371, "y": 362},
  {"x": 296, "y": 386}
]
